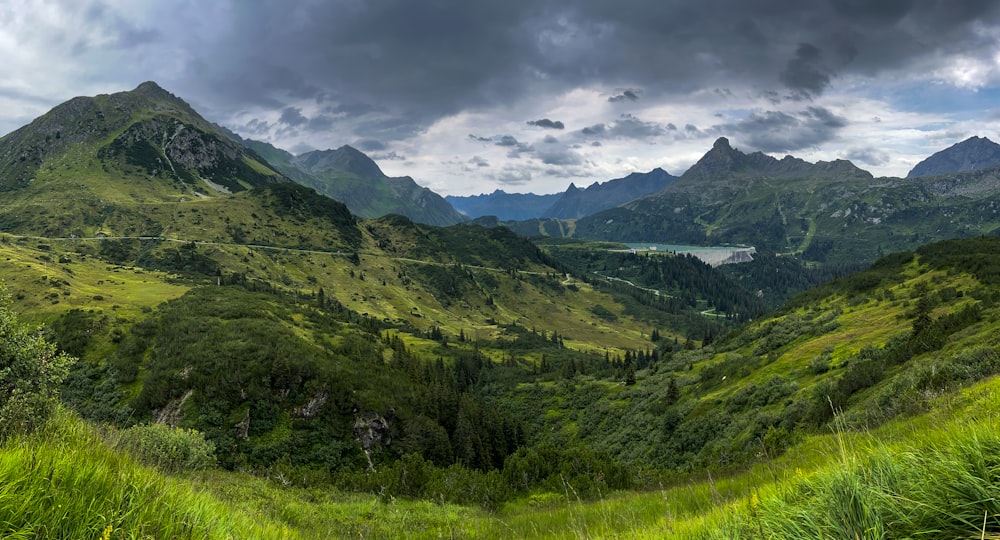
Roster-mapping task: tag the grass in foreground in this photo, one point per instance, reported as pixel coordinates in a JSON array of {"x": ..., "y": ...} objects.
[
  {"x": 936, "y": 476},
  {"x": 64, "y": 482}
]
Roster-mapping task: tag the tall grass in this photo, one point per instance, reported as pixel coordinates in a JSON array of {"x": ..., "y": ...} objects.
[
  {"x": 65, "y": 482},
  {"x": 940, "y": 484}
]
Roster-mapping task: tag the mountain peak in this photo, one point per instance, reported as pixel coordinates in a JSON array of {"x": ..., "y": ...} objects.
[
  {"x": 723, "y": 163},
  {"x": 346, "y": 159},
  {"x": 149, "y": 93},
  {"x": 971, "y": 154},
  {"x": 149, "y": 86}
]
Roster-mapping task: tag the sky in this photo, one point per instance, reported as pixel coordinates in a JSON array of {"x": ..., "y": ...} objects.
[{"x": 470, "y": 96}]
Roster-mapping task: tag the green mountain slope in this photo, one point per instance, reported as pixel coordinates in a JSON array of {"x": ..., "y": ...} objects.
[
  {"x": 871, "y": 347},
  {"x": 348, "y": 175},
  {"x": 265, "y": 374}
]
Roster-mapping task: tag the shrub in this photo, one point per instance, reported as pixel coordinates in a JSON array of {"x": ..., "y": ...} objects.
[
  {"x": 168, "y": 448},
  {"x": 30, "y": 373}
]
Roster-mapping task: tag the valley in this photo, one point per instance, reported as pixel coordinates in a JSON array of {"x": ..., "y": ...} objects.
[{"x": 232, "y": 345}]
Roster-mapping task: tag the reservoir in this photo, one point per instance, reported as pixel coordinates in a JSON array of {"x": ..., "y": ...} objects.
[{"x": 713, "y": 255}]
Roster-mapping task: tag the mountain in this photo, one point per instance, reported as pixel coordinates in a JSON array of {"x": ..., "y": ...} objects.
[
  {"x": 577, "y": 203},
  {"x": 828, "y": 212},
  {"x": 144, "y": 170},
  {"x": 147, "y": 132},
  {"x": 348, "y": 175},
  {"x": 503, "y": 205},
  {"x": 201, "y": 288},
  {"x": 726, "y": 167},
  {"x": 971, "y": 154},
  {"x": 571, "y": 204}
]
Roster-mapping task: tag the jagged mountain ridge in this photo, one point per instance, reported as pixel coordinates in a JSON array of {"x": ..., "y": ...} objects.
[
  {"x": 571, "y": 204},
  {"x": 724, "y": 164},
  {"x": 972, "y": 154},
  {"x": 577, "y": 203},
  {"x": 504, "y": 206}
]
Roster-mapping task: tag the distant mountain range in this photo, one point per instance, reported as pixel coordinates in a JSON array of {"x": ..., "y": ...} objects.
[
  {"x": 825, "y": 211},
  {"x": 122, "y": 154},
  {"x": 571, "y": 204},
  {"x": 503, "y": 205}
]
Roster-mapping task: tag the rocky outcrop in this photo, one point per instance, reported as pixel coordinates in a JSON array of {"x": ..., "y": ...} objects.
[{"x": 372, "y": 431}]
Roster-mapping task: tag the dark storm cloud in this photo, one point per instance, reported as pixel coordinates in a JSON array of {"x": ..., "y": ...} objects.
[
  {"x": 777, "y": 131},
  {"x": 514, "y": 147},
  {"x": 292, "y": 116},
  {"x": 806, "y": 71},
  {"x": 558, "y": 156},
  {"x": 628, "y": 94},
  {"x": 546, "y": 123},
  {"x": 628, "y": 127},
  {"x": 419, "y": 61}
]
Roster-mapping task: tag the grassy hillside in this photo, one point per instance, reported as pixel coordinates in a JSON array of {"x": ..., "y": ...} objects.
[{"x": 545, "y": 431}]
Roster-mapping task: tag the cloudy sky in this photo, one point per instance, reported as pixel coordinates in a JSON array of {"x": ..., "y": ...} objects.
[{"x": 468, "y": 96}]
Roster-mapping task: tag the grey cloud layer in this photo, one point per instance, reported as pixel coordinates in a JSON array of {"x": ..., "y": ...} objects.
[
  {"x": 379, "y": 74},
  {"x": 418, "y": 61}
]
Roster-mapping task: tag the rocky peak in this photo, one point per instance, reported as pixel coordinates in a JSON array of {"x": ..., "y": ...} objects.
[
  {"x": 972, "y": 154},
  {"x": 722, "y": 145},
  {"x": 721, "y": 160}
]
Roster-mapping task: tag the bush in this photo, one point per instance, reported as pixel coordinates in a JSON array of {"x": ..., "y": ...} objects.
[
  {"x": 168, "y": 448},
  {"x": 30, "y": 373}
]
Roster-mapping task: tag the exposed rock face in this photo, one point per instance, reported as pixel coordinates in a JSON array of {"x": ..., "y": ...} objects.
[
  {"x": 243, "y": 427},
  {"x": 170, "y": 414},
  {"x": 372, "y": 431},
  {"x": 167, "y": 147},
  {"x": 312, "y": 407},
  {"x": 972, "y": 154}
]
